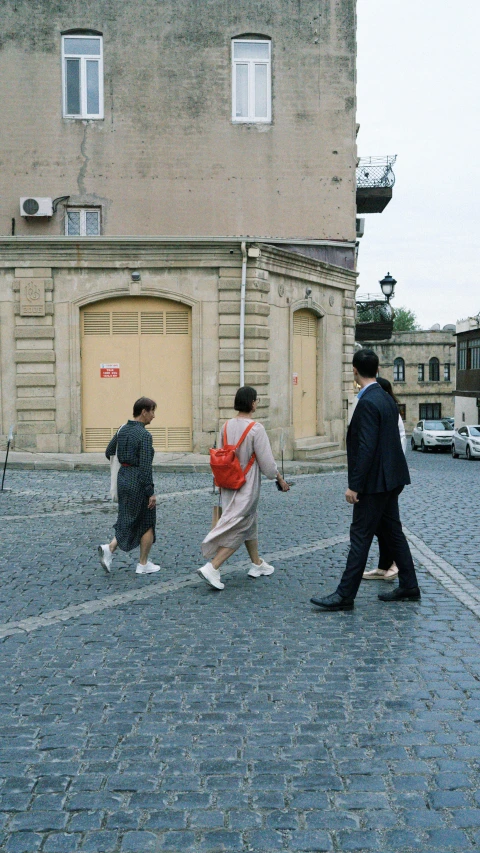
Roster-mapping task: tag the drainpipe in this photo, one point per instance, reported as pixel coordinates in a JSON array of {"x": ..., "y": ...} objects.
[{"x": 242, "y": 312}]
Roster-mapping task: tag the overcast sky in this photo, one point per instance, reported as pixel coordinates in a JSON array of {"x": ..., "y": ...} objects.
[{"x": 418, "y": 97}]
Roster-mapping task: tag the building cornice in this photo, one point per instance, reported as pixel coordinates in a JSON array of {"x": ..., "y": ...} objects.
[
  {"x": 165, "y": 252},
  {"x": 273, "y": 258}
]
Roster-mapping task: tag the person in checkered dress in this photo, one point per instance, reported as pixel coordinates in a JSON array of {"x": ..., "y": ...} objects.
[{"x": 136, "y": 520}]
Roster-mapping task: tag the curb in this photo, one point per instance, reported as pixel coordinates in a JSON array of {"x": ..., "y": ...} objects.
[{"x": 169, "y": 467}]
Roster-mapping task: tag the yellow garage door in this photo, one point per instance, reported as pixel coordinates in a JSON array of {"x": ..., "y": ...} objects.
[
  {"x": 131, "y": 348},
  {"x": 304, "y": 374}
]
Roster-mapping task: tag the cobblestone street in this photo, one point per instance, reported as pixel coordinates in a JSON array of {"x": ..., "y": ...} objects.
[{"x": 153, "y": 714}]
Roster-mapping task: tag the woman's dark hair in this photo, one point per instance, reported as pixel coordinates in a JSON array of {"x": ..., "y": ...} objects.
[
  {"x": 141, "y": 404},
  {"x": 387, "y": 386},
  {"x": 366, "y": 362},
  {"x": 244, "y": 399}
]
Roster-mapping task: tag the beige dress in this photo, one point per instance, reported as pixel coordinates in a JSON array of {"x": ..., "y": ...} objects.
[{"x": 238, "y": 522}]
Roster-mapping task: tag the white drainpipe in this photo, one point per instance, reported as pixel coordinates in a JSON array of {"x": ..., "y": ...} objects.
[{"x": 242, "y": 313}]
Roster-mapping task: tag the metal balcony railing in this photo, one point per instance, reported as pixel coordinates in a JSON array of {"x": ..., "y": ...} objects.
[
  {"x": 376, "y": 172},
  {"x": 374, "y": 320}
]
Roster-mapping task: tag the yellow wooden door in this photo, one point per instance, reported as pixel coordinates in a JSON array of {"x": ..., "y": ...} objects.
[
  {"x": 304, "y": 374},
  {"x": 133, "y": 347}
]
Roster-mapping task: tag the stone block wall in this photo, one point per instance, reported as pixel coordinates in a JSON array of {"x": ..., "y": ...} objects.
[
  {"x": 44, "y": 284},
  {"x": 257, "y": 338},
  {"x": 34, "y": 360}
]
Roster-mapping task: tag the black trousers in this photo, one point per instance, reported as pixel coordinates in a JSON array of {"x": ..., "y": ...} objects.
[
  {"x": 385, "y": 558},
  {"x": 379, "y": 514}
]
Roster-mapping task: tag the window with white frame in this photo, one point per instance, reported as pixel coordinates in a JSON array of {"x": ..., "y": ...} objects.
[
  {"x": 251, "y": 80},
  {"x": 82, "y": 222},
  {"x": 82, "y": 59}
]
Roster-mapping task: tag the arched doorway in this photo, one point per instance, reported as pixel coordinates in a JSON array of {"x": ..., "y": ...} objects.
[
  {"x": 133, "y": 347},
  {"x": 304, "y": 373}
]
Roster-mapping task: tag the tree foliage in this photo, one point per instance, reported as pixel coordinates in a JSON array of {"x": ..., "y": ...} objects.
[{"x": 405, "y": 320}]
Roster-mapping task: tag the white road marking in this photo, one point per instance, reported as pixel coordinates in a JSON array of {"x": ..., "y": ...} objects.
[
  {"x": 453, "y": 580},
  {"x": 450, "y": 578},
  {"x": 106, "y": 506},
  {"x": 52, "y": 617}
]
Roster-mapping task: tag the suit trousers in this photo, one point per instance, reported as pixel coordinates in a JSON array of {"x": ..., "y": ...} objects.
[
  {"x": 376, "y": 514},
  {"x": 385, "y": 558}
]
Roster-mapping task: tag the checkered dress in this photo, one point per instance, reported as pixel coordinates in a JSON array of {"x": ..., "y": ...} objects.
[{"x": 135, "y": 484}]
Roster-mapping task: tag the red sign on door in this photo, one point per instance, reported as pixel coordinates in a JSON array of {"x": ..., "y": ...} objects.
[
  {"x": 295, "y": 378},
  {"x": 109, "y": 371}
]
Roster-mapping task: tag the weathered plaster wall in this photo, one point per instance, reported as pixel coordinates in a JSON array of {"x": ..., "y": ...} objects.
[
  {"x": 167, "y": 159},
  {"x": 466, "y": 411}
]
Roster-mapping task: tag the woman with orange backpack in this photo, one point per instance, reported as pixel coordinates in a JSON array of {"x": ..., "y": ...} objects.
[{"x": 244, "y": 456}]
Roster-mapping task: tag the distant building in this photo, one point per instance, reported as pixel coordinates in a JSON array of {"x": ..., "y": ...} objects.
[
  {"x": 467, "y": 392},
  {"x": 421, "y": 368}
]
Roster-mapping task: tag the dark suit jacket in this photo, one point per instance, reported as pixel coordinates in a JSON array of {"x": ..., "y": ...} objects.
[{"x": 376, "y": 461}]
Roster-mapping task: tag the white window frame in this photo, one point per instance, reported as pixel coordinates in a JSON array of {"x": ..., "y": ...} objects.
[
  {"x": 251, "y": 118},
  {"x": 83, "y": 220},
  {"x": 83, "y": 114}
]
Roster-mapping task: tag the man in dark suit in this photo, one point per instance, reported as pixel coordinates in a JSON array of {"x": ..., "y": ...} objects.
[{"x": 377, "y": 473}]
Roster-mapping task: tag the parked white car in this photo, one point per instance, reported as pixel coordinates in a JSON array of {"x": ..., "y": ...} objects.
[
  {"x": 430, "y": 435},
  {"x": 466, "y": 440}
]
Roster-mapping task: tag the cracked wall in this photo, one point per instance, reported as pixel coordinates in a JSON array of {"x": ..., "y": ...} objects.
[{"x": 167, "y": 159}]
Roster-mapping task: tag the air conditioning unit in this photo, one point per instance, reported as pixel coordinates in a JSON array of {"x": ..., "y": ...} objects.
[
  {"x": 360, "y": 226},
  {"x": 36, "y": 206}
]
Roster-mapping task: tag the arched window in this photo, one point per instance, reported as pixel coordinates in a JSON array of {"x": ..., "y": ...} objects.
[
  {"x": 399, "y": 370},
  {"x": 82, "y": 66},
  {"x": 251, "y": 79},
  {"x": 434, "y": 370}
]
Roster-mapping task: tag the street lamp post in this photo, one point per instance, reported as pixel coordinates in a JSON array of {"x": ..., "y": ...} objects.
[{"x": 388, "y": 286}]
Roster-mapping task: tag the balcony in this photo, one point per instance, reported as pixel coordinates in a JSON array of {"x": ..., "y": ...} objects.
[
  {"x": 374, "y": 320},
  {"x": 468, "y": 364},
  {"x": 375, "y": 181}
]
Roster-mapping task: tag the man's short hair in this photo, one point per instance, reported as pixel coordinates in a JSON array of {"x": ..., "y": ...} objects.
[
  {"x": 366, "y": 362},
  {"x": 141, "y": 404}
]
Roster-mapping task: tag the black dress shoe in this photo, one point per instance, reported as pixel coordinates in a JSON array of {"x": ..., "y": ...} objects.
[
  {"x": 333, "y": 602},
  {"x": 400, "y": 594}
]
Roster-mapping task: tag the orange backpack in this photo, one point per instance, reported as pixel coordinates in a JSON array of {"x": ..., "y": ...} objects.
[{"x": 227, "y": 471}]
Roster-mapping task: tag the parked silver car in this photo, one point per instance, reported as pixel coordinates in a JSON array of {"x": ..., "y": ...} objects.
[
  {"x": 466, "y": 440},
  {"x": 432, "y": 435}
]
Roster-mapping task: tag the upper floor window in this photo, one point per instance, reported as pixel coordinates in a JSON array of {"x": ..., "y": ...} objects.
[
  {"x": 434, "y": 370},
  {"x": 473, "y": 354},
  {"x": 462, "y": 355},
  {"x": 82, "y": 76},
  {"x": 421, "y": 372},
  {"x": 82, "y": 222},
  {"x": 399, "y": 370},
  {"x": 446, "y": 372},
  {"x": 251, "y": 80}
]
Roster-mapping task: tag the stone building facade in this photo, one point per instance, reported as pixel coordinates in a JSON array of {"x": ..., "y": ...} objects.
[
  {"x": 421, "y": 368},
  {"x": 189, "y": 156}
]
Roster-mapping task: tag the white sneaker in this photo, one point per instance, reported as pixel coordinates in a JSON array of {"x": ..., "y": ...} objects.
[
  {"x": 211, "y": 575},
  {"x": 262, "y": 569},
  {"x": 147, "y": 569},
  {"x": 106, "y": 557}
]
